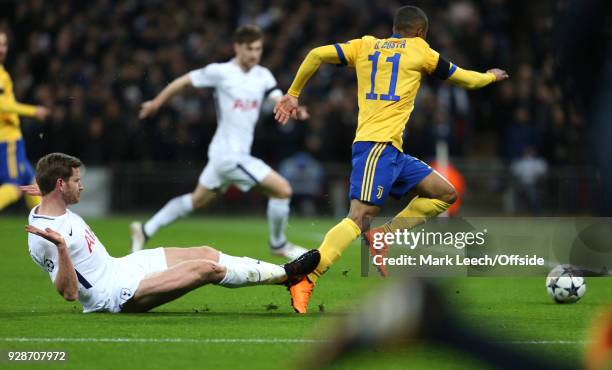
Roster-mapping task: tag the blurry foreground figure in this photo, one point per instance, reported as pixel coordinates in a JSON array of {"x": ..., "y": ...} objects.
[{"x": 409, "y": 311}]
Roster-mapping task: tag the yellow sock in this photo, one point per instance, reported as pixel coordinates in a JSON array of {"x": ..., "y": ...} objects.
[
  {"x": 417, "y": 212},
  {"x": 9, "y": 194},
  {"x": 32, "y": 201},
  {"x": 336, "y": 241}
]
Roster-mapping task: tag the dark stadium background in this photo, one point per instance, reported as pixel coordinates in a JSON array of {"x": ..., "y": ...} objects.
[{"x": 94, "y": 62}]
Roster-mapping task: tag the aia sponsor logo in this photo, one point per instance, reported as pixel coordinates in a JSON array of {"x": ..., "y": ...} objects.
[
  {"x": 90, "y": 239},
  {"x": 245, "y": 105}
]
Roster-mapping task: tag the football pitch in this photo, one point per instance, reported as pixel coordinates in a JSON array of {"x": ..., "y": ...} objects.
[{"x": 255, "y": 327}]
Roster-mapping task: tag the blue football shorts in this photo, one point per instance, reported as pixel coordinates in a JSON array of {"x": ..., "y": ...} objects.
[
  {"x": 14, "y": 166},
  {"x": 380, "y": 170}
]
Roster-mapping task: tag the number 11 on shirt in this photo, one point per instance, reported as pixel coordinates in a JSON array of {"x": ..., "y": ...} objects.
[{"x": 390, "y": 96}]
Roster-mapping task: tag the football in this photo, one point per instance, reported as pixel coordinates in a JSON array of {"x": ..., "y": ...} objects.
[{"x": 565, "y": 284}]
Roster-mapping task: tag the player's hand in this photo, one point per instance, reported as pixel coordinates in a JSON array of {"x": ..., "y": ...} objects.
[
  {"x": 41, "y": 113},
  {"x": 49, "y": 234},
  {"x": 500, "y": 74},
  {"x": 32, "y": 190},
  {"x": 286, "y": 107},
  {"x": 147, "y": 109},
  {"x": 302, "y": 113}
]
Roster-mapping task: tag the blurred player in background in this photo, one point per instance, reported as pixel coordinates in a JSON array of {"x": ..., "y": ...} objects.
[
  {"x": 79, "y": 266},
  {"x": 389, "y": 72},
  {"x": 241, "y": 85},
  {"x": 15, "y": 170}
]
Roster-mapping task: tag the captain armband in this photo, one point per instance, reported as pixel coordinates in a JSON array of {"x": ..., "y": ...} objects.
[{"x": 444, "y": 69}]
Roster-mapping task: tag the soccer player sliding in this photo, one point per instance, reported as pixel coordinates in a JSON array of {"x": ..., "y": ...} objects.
[
  {"x": 79, "y": 266},
  {"x": 389, "y": 73}
]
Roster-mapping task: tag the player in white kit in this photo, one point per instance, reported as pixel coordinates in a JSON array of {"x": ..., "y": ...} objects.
[
  {"x": 80, "y": 267},
  {"x": 241, "y": 85}
]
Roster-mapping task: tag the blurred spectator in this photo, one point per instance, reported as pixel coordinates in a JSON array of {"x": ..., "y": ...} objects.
[
  {"x": 520, "y": 135},
  {"x": 97, "y": 61},
  {"x": 305, "y": 175},
  {"x": 527, "y": 173}
]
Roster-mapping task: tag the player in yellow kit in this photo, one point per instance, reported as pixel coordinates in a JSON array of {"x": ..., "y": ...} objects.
[
  {"x": 389, "y": 73},
  {"x": 15, "y": 170}
]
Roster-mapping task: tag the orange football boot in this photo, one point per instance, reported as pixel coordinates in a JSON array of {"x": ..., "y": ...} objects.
[{"x": 300, "y": 291}]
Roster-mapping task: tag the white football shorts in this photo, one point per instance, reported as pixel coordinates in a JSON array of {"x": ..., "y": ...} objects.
[
  {"x": 132, "y": 269},
  {"x": 243, "y": 171}
]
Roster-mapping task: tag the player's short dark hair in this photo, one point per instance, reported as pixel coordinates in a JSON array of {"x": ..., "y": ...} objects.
[
  {"x": 409, "y": 18},
  {"x": 247, "y": 34},
  {"x": 54, "y": 166}
]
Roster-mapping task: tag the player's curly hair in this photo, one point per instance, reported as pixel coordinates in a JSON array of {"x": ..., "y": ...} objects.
[
  {"x": 247, "y": 34},
  {"x": 408, "y": 19},
  {"x": 54, "y": 166}
]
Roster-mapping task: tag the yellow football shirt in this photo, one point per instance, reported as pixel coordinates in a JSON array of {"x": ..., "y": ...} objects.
[
  {"x": 10, "y": 109},
  {"x": 389, "y": 75}
]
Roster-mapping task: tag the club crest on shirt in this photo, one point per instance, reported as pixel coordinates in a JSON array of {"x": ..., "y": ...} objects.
[
  {"x": 125, "y": 294},
  {"x": 49, "y": 265}
]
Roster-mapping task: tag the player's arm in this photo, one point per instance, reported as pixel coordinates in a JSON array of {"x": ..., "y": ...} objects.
[
  {"x": 332, "y": 54},
  {"x": 439, "y": 67},
  {"x": 151, "y": 107},
  {"x": 310, "y": 65},
  {"x": 475, "y": 80},
  {"x": 66, "y": 281},
  {"x": 32, "y": 190},
  {"x": 11, "y": 106},
  {"x": 301, "y": 113},
  {"x": 274, "y": 94}
]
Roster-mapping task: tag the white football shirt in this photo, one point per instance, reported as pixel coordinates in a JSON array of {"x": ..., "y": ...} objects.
[
  {"x": 95, "y": 268},
  {"x": 238, "y": 97}
]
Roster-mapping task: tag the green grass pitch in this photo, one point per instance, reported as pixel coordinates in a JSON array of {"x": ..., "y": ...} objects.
[{"x": 254, "y": 328}]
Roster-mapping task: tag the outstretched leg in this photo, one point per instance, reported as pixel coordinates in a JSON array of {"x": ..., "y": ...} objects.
[
  {"x": 335, "y": 242},
  {"x": 432, "y": 196},
  {"x": 190, "y": 268},
  {"x": 342, "y": 235},
  {"x": 162, "y": 287}
]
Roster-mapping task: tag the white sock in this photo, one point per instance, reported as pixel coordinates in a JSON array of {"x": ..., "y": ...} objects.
[
  {"x": 175, "y": 208},
  {"x": 226, "y": 259},
  {"x": 249, "y": 272},
  {"x": 278, "y": 215}
]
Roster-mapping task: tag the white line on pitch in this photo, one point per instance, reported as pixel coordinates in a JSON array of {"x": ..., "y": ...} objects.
[
  {"x": 546, "y": 342},
  {"x": 163, "y": 340},
  {"x": 236, "y": 340}
]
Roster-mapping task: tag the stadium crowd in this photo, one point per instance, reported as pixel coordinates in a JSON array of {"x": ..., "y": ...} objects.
[{"x": 94, "y": 63}]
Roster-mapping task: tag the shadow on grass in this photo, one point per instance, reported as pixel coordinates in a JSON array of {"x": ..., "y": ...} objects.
[
  {"x": 229, "y": 314},
  {"x": 168, "y": 314}
]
